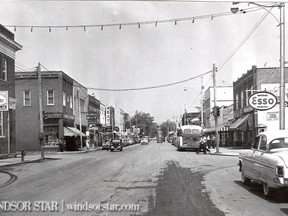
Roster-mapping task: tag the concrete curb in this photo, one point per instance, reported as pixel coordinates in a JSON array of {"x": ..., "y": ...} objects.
[
  {"x": 30, "y": 158},
  {"x": 225, "y": 154}
]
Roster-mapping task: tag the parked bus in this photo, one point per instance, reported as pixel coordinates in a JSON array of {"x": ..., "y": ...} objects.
[{"x": 188, "y": 137}]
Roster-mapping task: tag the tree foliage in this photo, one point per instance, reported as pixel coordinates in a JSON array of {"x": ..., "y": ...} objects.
[
  {"x": 167, "y": 126},
  {"x": 145, "y": 122}
]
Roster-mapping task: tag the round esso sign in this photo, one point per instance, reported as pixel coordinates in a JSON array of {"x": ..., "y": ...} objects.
[{"x": 262, "y": 100}]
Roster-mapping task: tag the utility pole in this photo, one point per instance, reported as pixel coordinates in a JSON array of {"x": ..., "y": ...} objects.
[
  {"x": 80, "y": 115},
  {"x": 201, "y": 103},
  {"x": 282, "y": 67},
  {"x": 41, "y": 123},
  {"x": 215, "y": 104}
]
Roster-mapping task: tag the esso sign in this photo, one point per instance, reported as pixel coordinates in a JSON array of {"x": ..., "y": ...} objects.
[{"x": 262, "y": 100}]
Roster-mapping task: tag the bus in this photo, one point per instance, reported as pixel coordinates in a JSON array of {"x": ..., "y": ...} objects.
[{"x": 188, "y": 137}]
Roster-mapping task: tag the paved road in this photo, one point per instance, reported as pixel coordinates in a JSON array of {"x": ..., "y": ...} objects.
[{"x": 154, "y": 179}]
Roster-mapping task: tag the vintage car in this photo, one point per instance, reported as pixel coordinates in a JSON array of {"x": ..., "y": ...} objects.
[
  {"x": 116, "y": 144},
  {"x": 267, "y": 162},
  {"x": 144, "y": 141}
]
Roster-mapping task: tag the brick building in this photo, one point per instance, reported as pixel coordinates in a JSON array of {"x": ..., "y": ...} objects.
[
  {"x": 248, "y": 122},
  {"x": 57, "y": 102},
  {"x": 8, "y": 48}
]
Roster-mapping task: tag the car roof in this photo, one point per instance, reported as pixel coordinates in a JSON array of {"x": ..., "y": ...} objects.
[{"x": 271, "y": 135}]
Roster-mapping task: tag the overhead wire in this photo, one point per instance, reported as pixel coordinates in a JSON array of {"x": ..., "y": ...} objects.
[
  {"x": 245, "y": 39},
  {"x": 137, "y": 23}
]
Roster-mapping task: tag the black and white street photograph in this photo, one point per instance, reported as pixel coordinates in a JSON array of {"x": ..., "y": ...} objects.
[{"x": 143, "y": 108}]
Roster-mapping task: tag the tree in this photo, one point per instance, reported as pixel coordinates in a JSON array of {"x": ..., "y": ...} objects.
[
  {"x": 166, "y": 127},
  {"x": 145, "y": 122}
]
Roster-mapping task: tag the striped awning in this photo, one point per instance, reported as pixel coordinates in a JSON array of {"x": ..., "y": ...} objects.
[
  {"x": 68, "y": 132},
  {"x": 76, "y": 131}
]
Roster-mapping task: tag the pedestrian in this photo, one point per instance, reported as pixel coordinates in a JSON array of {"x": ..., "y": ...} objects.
[
  {"x": 209, "y": 141},
  {"x": 213, "y": 141},
  {"x": 87, "y": 144},
  {"x": 203, "y": 145}
]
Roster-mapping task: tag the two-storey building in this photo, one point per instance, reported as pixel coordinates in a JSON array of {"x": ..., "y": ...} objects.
[
  {"x": 57, "y": 103},
  {"x": 250, "y": 122}
]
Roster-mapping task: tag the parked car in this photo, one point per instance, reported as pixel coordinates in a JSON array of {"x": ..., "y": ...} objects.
[
  {"x": 160, "y": 139},
  {"x": 144, "y": 141},
  {"x": 106, "y": 145},
  {"x": 174, "y": 140},
  {"x": 116, "y": 144},
  {"x": 267, "y": 162},
  {"x": 130, "y": 141},
  {"x": 125, "y": 142}
]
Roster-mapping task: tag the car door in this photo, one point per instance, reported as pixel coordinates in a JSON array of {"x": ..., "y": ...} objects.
[{"x": 259, "y": 165}]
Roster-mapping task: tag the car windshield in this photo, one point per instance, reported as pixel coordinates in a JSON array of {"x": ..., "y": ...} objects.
[{"x": 279, "y": 143}]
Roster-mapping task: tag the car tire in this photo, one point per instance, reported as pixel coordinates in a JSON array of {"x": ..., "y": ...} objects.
[
  {"x": 111, "y": 150},
  {"x": 244, "y": 179},
  {"x": 268, "y": 191}
]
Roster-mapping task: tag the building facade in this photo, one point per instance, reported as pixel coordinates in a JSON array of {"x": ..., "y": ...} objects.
[
  {"x": 8, "y": 49},
  {"x": 93, "y": 119},
  {"x": 249, "y": 122},
  {"x": 57, "y": 105},
  {"x": 224, "y": 99}
]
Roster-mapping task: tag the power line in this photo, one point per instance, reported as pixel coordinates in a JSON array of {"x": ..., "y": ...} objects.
[
  {"x": 150, "y": 87},
  {"x": 245, "y": 39}
]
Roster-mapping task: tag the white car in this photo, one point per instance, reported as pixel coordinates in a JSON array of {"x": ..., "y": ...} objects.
[
  {"x": 144, "y": 141},
  {"x": 267, "y": 162}
]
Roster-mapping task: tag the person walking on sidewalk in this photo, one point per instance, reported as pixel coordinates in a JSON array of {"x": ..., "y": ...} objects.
[
  {"x": 208, "y": 141},
  {"x": 213, "y": 141}
]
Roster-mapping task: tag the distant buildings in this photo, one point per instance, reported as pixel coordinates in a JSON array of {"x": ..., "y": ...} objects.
[
  {"x": 8, "y": 48},
  {"x": 238, "y": 122}
]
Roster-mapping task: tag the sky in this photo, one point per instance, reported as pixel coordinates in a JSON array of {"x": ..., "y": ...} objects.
[{"x": 149, "y": 56}]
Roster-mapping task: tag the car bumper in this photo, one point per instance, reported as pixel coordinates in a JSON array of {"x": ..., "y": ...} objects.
[{"x": 116, "y": 147}]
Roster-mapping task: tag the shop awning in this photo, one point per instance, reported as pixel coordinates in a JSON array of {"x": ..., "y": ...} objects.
[
  {"x": 239, "y": 122},
  {"x": 76, "y": 131},
  {"x": 68, "y": 132}
]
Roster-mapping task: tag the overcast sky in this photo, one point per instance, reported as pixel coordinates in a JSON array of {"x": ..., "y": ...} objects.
[{"x": 133, "y": 57}]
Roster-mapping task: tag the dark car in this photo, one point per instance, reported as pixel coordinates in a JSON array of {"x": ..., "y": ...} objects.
[{"x": 116, "y": 144}]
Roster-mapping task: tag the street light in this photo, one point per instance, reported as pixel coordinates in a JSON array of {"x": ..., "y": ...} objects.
[{"x": 281, "y": 24}]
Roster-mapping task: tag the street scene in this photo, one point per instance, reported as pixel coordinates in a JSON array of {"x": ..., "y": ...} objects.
[
  {"x": 143, "y": 108},
  {"x": 153, "y": 177}
]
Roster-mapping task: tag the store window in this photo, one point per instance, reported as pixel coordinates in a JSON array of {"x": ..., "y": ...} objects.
[
  {"x": 4, "y": 69},
  {"x": 50, "y": 97},
  {"x": 27, "y": 98},
  {"x": 71, "y": 101},
  {"x": 64, "y": 98}
]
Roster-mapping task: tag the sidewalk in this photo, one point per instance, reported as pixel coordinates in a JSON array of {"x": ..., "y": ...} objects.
[{"x": 36, "y": 156}]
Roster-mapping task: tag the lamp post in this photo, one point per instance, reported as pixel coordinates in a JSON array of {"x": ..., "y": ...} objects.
[{"x": 281, "y": 24}]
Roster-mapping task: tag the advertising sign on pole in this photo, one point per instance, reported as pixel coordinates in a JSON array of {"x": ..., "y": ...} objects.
[{"x": 4, "y": 105}]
